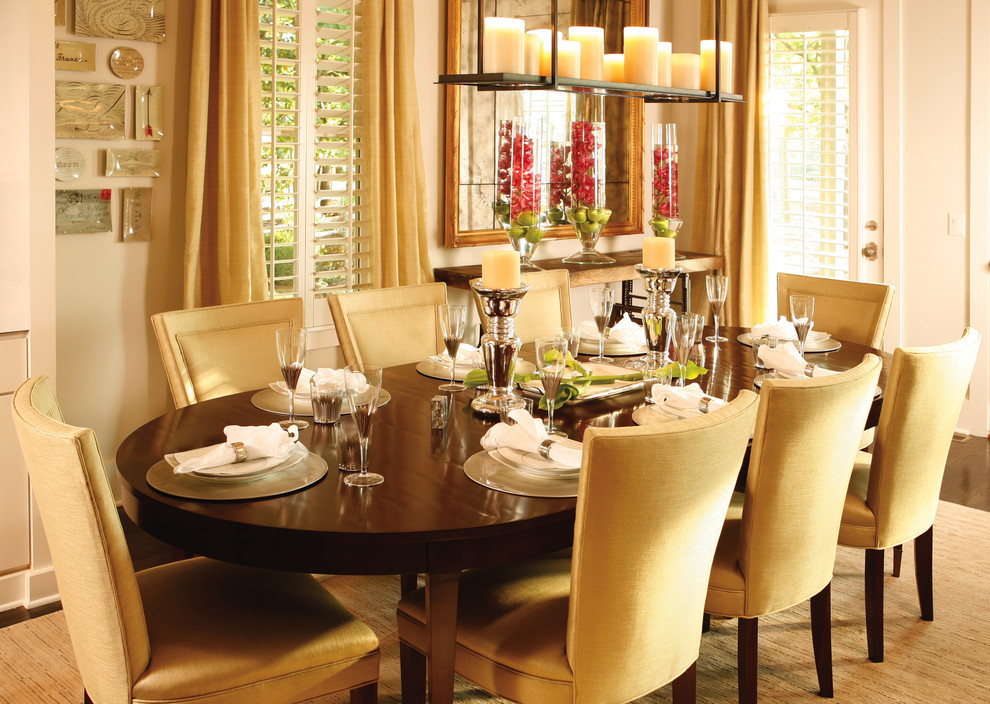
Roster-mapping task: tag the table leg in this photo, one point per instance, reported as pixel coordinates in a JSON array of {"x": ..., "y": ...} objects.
[{"x": 441, "y": 619}]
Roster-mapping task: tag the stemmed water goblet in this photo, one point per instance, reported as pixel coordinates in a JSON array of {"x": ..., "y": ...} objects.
[
  {"x": 291, "y": 345},
  {"x": 602, "y": 300},
  {"x": 551, "y": 361},
  {"x": 452, "y": 319},
  {"x": 685, "y": 328},
  {"x": 802, "y": 315},
  {"x": 717, "y": 287},
  {"x": 572, "y": 336},
  {"x": 363, "y": 383}
]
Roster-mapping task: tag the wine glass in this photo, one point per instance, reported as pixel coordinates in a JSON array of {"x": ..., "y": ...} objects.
[
  {"x": 602, "y": 300},
  {"x": 717, "y": 286},
  {"x": 364, "y": 386},
  {"x": 452, "y": 328},
  {"x": 551, "y": 361},
  {"x": 685, "y": 328},
  {"x": 291, "y": 344},
  {"x": 572, "y": 336},
  {"x": 802, "y": 315}
]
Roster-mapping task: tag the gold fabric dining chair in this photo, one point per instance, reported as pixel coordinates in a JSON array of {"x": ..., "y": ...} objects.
[
  {"x": 854, "y": 311},
  {"x": 893, "y": 493},
  {"x": 197, "y": 630},
  {"x": 389, "y": 326},
  {"x": 222, "y": 350},
  {"x": 544, "y": 308},
  {"x": 779, "y": 549},
  {"x": 621, "y": 616}
]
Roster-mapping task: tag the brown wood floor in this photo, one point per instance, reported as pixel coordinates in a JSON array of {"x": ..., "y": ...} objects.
[{"x": 966, "y": 482}]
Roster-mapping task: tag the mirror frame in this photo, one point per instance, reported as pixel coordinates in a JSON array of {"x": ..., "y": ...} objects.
[{"x": 453, "y": 236}]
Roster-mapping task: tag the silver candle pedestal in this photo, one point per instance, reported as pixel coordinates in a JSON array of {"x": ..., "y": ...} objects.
[
  {"x": 499, "y": 347},
  {"x": 658, "y": 317}
]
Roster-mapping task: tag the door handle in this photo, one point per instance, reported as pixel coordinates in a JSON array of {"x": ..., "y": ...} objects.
[
  {"x": 871, "y": 225},
  {"x": 870, "y": 251}
]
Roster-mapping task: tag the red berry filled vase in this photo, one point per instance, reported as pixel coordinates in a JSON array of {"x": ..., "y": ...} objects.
[
  {"x": 587, "y": 211},
  {"x": 520, "y": 185},
  {"x": 666, "y": 211}
]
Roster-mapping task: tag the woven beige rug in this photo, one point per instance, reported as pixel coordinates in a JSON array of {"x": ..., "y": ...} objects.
[{"x": 947, "y": 660}]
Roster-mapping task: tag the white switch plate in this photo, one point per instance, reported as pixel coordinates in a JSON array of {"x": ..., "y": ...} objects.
[{"x": 957, "y": 225}]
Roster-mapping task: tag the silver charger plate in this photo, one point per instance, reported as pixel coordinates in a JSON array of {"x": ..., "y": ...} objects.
[
  {"x": 828, "y": 345},
  {"x": 485, "y": 470},
  {"x": 293, "y": 478},
  {"x": 435, "y": 370},
  {"x": 758, "y": 383},
  {"x": 612, "y": 349},
  {"x": 274, "y": 402},
  {"x": 657, "y": 415}
]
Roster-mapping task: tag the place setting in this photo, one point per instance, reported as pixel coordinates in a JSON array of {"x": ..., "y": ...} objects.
[
  {"x": 600, "y": 339},
  {"x": 796, "y": 329}
]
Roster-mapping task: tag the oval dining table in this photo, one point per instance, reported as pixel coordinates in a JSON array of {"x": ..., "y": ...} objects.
[{"x": 426, "y": 518}]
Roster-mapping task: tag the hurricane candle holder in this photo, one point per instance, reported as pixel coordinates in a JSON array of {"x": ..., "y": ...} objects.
[
  {"x": 499, "y": 347},
  {"x": 520, "y": 190},
  {"x": 665, "y": 221},
  {"x": 658, "y": 316},
  {"x": 588, "y": 213}
]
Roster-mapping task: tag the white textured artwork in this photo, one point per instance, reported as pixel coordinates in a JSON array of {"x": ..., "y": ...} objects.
[
  {"x": 136, "y": 221},
  {"x": 89, "y": 110},
  {"x": 141, "y": 20},
  {"x": 134, "y": 162},
  {"x": 82, "y": 211}
]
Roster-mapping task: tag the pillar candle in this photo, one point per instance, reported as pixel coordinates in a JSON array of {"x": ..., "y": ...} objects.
[
  {"x": 640, "y": 48},
  {"x": 504, "y": 45},
  {"x": 708, "y": 65},
  {"x": 534, "y": 47},
  {"x": 685, "y": 71},
  {"x": 546, "y": 49},
  {"x": 568, "y": 58},
  {"x": 663, "y": 63},
  {"x": 500, "y": 269},
  {"x": 658, "y": 252},
  {"x": 592, "y": 40},
  {"x": 615, "y": 68}
]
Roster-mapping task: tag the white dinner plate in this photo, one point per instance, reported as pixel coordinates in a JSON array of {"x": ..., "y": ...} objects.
[
  {"x": 589, "y": 347},
  {"x": 533, "y": 462},
  {"x": 435, "y": 370},
  {"x": 758, "y": 383},
  {"x": 248, "y": 471},
  {"x": 278, "y": 402},
  {"x": 485, "y": 470},
  {"x": 825, "y": 344}
]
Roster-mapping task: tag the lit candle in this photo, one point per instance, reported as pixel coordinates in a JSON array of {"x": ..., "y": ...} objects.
[
  {"x": 615, "y": 68},
  {"x": 500, "y": 269},
  {"x": 708, "y": 65},
  {"x": 664, "y": 50},
  {"x": 546, "y": 49},
  {"x": 504, "y": 45},
  {"x": 534, "y": 47},
  {"x": 658, "y": 252},
  {"x": 640, "y": 48},
  {"x": 592, "y": 40},
  {"x": 685, "y": 71},
  {"x": 568, "y": 59}
]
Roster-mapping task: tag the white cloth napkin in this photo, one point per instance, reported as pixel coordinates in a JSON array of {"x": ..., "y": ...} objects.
[
  {"x": 787, "y": 362},
  {"x": 302, "y": 386},
  {"x": 782, "y": 329},
  {"x": 624, "y": 332},
  {"x": 684, "y": 399},
  {"x": 336, "y": 379},
  {"x": 467, "y": 356},
  {"x": 260, "y": 442},
  {"x": 526, "y": 436}
]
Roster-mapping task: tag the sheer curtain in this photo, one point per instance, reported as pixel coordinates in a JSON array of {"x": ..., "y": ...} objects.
[
  {"x": 225, "y": 250},
  {"x": 394, "y": 178},
  {"x": 731, "y": 184}
]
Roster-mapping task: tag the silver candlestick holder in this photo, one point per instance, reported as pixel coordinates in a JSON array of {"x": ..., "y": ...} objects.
[
  {"x": 499, "y": 346},
  {"x": 658, "y": 316}
]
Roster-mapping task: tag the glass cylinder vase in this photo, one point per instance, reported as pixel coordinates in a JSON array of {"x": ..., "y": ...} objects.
[
  {"x": 520, "y": 186},
  {"x": 587, "y": 212},
  {"x": 666, "y": 209}
]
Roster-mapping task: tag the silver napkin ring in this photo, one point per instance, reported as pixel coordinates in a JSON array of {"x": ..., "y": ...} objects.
[
  {"x": 240, "y": 452},
  {"x": 809, "y": 369},
  {"x": 703, "y": 404},
  {"x": 545, "y": 448}
]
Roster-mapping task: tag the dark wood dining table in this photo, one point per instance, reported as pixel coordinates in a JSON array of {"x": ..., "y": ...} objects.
[{"x": 426, "y": 518}]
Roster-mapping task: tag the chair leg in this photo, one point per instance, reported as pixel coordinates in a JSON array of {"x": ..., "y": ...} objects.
[
  {"x": 874, "y": 604},
  {"x": 898, "y": 554},
  {"x": 368, "y": 694},
  {"x": 747, "y": 659},
  {"x": 923, "y": 572},
  {"x": 821, "y": 638},
  {"x": 412, "y": 674},
  {"x": 686, "y": 686}
]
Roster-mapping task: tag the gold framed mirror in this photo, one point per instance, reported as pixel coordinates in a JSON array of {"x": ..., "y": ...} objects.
[{"x": 472, "y": 115}]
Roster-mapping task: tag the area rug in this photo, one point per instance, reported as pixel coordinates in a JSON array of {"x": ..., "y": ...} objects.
[{"x": 941, "y": 661}]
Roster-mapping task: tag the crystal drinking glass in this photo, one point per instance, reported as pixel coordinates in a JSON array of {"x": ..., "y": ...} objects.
[
  {"x": 717, "y": 287},
  {"x": 551, "y": 361},
  {"x": 291, "y": 344},
  {"x": 572, "y": 336},
  {"x": 685, "y": 328},
  {"x": 364, "y": 387},
  {"x": 602, "y": 300},
  {"x": 802, "y": 315},
  {"x": 452, "y": 328}
]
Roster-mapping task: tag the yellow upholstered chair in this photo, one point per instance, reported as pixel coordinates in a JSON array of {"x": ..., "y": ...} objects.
[
  {"x": 893, "y": 493},
  {"x": 222, "y": 350},
  {"x": 779, "y": 550},
  {"x": 854, "y": 311},
  {"x": 544, "y": 308},
  {"x": 389, "y": 326},
  {"x": 191, "y": 631},
  {"x": 623, "y": 615}
]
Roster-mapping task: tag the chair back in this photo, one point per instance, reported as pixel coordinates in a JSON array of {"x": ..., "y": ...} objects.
[
  {"x": 389, "y": 326},
  {"x": 854, "y": 311},
  {"x": 96, "y": 580},
  {"x": 650, "y": 507},
  {"x": 804, "y": 448},
  {"x": 925, "y": 390},
  {"x": 222, "y": 350},
  {"x": 544, "y": 308}
]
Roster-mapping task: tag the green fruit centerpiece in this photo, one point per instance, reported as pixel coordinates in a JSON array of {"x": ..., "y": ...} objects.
[
  {"x": 587, "y": 212},
  {"x": 521, "y": 173}
]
